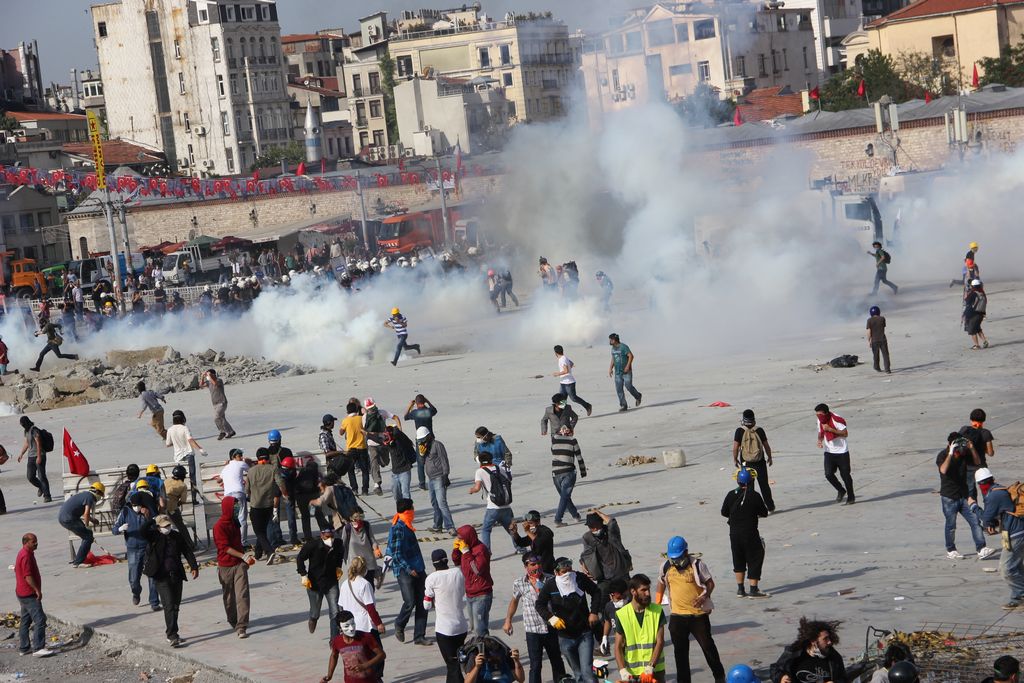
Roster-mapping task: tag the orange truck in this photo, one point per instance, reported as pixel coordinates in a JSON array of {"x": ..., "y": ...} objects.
[
  {"x": 408, "y": 232},
  {"x": 21, "y": 277}
]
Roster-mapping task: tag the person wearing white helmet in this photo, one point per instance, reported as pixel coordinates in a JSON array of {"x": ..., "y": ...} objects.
[
  {"x": 285, "y": 279},
  {"x": 1003, "y": 514},
  {"x": 975, "y": 310},
  {"x": 437, "y": 469},
  {"x": 375, "y": 420},
  {"x": 160, "y": 298}
]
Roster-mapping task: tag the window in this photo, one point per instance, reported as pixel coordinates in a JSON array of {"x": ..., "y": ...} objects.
[
  {"x": 858, "y": 212},
  {"x": 660, "y": 33},
  {"x": 220, "y": 85},
  {"x": 762, "y": 65},
  {"x": 225, "y": 122},
  {"x": 181, "y": 82},
  {"x": 614, "y": 45},
  {"x": 234, "y": 84},
  {"x": 634, "y": 41},
  {"x": 215, "y": 48},
  {"x": 775, "y": 62},
  {"x": 231, "y": 49},
  {"x": 806, "y": 65},
  {"x": 682, "y": 33},
  {"x": 238, "y": 121},
  {"x": 101, "y": 28},
  {"x": 741, "y": 66},
  {"x": 485, "y": 58},
  {"x": 185, "y": 121},
  {"x": 404, "y": 64},
  {"x": 364, "y": 140},
  {"x": 512, "y": 109},
  {"x": 248, "y": 13},
  {"x": 506, "y": 80},
  {"x": 264, "y": 12},
  {"x": 374, "y": 83},
  {"x": 615, "y": 79},
  {"x": 244, "y": 45},
  {"x": 943, "y": 47},
  {"x": 263, "y": 48},
  {"x": 375, "y": 109},
  {"x": 177, "y": 49},
  {"x": 230, "y": 12},
  {"x": 27, "y": 220},
  {"x": 230, "y": 154},
  {"x": 785, "y": 60},
  {"x": 43, "y": 218},
  {"x": 704, "y": 29},
  {"x": 378, "y": 138},
  {"x": 680, "y": 70},
  {"x": 191, "y": 156},
  {"x": 704, "y": 71},
  {"x": 780, "y": 21},
  {"x": 506, "y": 54},
  {"x": 204, "y": 16}
]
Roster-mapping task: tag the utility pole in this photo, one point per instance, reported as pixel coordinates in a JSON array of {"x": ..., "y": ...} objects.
[
  {"x": 444, "y": 205},
  {"x": 108, "y": 209},
  {"x": 122, "y": 214},
  {"x": 362, "y": 209}
]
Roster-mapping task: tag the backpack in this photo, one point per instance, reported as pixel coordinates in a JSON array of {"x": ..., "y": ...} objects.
[
  {"x": 980, "y": 302},
  {"x": 500, "y": 488},
  {"x": 1016, "y": 491},
  {"x": 374, "y": 422},
  {"x": 844, "y": 361},
  {"x": 345, "y": 500},
  {"x": 117, "y": 500},
  {"x": 751, "y": 448},
  {"x": 886, "y": 257},
  {"x": 494, "y": 650},
  {"x": 45, "y": 440}
]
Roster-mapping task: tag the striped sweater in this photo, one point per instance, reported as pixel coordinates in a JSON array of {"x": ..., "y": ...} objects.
[
  {"x": 565, "y": 451},
  {"x": 399, "y": 324}
]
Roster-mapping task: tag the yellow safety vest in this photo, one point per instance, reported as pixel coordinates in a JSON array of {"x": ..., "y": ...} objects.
[{"x": 640, "y": 638}]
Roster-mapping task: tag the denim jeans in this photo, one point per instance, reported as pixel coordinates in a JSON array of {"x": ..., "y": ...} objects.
[
  {"x": 439, "y": 501},
  {"x": 403, "y": 343},
  {"x": 360, "y": 459},
  {"x": 536, "y": 645},
  {"x": 78, "y": 528},
  {"x": 316, "y": 601},
  {"x": 579, "y": 654},
  {"x": 880, "y": 279},
  {"x": 950, "y": 508},
  {"x": 276, "y": 536},
  {"x": 624, "y": 380},
  {"x": 412, "y": 602},
  {"x": 401, "y": 485},
  {"x": 564, "y": 484},
  {"x": 190, "y": 463},
  {"x": 569, "y": 391},
  {"x": 243, "y": 513},
  {"x": 1011, "y": 568},
  {"x": 479, "y": 613},
  {"x": 421, "y": 473},
  {"x": 499, "y": 516},
  {"x": 136, "y": 558},
  {"x": 36, "y": 474},
  {"x": 32, "y": 616}
]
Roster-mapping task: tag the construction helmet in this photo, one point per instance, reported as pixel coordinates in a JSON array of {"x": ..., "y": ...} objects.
[
  {"x": 676, "y": 547},
  {"x": 981, "y": 474},
  {"x": 903, "y": 672},
  {"x": 743, "y": 477},
  {"x": 421, "y": 433},
  {"x": 142, "y": 484},
  {"x": 99, "y": 487},
  {"x": 395, "y": 311},
  {"x": 874, "y": 310},
  {"x": 274, "y": 436},
  {"x": 288, "y": 462},
  {"x": 973, "y": 245},
  {"x": 152, "y": 469},
  {"x": 179, "y": 472},
  {"x": 490, "y": 273},
  {"x": 741, "y": 673}
]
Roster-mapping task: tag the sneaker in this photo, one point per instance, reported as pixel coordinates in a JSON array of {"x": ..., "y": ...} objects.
[
  {"x": 366, "y": 492},
  {"x": 638, "y": 399},
  {"x": 623, "y": 409},
  {"x": 755, "y": 592},
  {"x": 590, "y": 410},
  {"x": 174, "y": 642},
  {"x": 394, "y": 363},
  {"x": 1013, "y": 604},
  {"x": 434, "y": 529},
  {"x": 44, "y": 652},
  {"x": 840, "y": 496},
  {"x": 851, "y": 500},
  {"x": 156, "y": 608},
  {"x": 135, "y": 600},
  {"x": 423, "y": 487},
  {"x": 986, "y": 552},
  {"x": 242, "y": 634},
  {"x": 377, "y": 490},
  {"x": 426, "y": 642},
  {"x": 400, "y": 634},
  {"x": 740, "y": 592},
  {"x": 560, "y": 524},
  {"x": 452, "y": 532},
  {"x": 272, "y": 558},
  {"x": 984, "y": 344},
  {"x": 47, "y": 499},
  {"x": 228, "y": 436},
  {"x": 312, "y": 625},
  {"x": 221, "y": 436},
  {"x": 954, "y": 555},
  {"x": 22, "y": 653}
]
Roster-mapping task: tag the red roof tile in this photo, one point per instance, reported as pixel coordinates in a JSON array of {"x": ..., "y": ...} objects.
[
  {"x": 116, "y": 152},
  {"x": 45, "y": 116},
  {"x": 928, "y": 8},
  {"x": 767, "y": 103}
]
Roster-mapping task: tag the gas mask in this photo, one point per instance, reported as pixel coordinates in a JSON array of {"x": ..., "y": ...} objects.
[
  {"x": 348, "y": 627},
  {"x": 562, "y": 404},
  {"x": 681, "y": 563},
  {"x": 619, "y": 603},
  {"x": 328, "y": 542},
  {"x": 165, "y": 530},
  {"x": 480, "y": 439}
]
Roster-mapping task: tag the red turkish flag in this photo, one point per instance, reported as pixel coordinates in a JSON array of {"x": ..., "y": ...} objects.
[
  {"x": 927, "y": 97},
  {"x": 77, "y": 464},
  {"x": 815, "y": 93},
  {"x": 974, "y": 78},
  {"x": 301, "y": 170},
  {"x": 860, "y": 88},
  {"x": 737, "y": 118}
]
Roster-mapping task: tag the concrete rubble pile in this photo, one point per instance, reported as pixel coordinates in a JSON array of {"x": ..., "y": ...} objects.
[{"x": 161, "y": 367}]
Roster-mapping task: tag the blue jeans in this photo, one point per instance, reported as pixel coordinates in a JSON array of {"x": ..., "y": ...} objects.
[
  {"x": 276, "y": 536},
  {"x": 243, "y": 513},
  {"x": 569, "y": 391},
  {"x": 439, "y": 501},
  {"x": 479, "y": 613},
  {"x": 420, "y": 471},
  {"x": 1011, "y": 568},
  {"x": 136, "y": 558},
  {"x": 950, "y": 508},
  {"x": 579, "y": 655},
  {"x": 401, "y": 485},
  {"x": 316, "y": 601},
  {"x": 78, "y": 528},
  {"x": 32, "y": 616},
  {"x": 412, "y": 602},
  {"x": 880, "y": 279},
  {"x": 564, "y": 484},
  {"x": 493, "y": 516},
  {"x": 536, "y": 645},
  {"x": 403, "y": 343},
  {"x": 625, "y": 380}
]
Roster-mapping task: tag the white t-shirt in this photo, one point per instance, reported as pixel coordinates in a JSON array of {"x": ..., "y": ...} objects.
[
  {"x": 565, "y": 365},
  {"x": 387, "y": 417},
  {"x": 179, "y": 436},
  {"x": 348, "y": 593},
  {"x": 233, "y": 476},
  {"x": 838, "y": 444},
  {"x": 447, "y": 588},
  {"x": 484, "y": 478}
]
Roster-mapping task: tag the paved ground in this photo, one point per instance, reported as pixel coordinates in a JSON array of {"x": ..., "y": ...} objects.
[{"x": 888, "y": 548}]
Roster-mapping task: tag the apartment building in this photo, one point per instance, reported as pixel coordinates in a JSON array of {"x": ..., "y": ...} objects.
[
  {"x": 21, "y": 81},
  {"x": 203, "y": 80},
  {"x": 363, "y": 80},
  {"x": 533, "y": 60},
  {"x": 662, "y": 53},
  {"x": 435, "y": 114},
  {"x": 831, "y": 21}
]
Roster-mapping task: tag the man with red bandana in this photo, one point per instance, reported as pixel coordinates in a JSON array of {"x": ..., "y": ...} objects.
[
  {"x": 832, "y": 435},
  {"x": 1000, "y": 514}
]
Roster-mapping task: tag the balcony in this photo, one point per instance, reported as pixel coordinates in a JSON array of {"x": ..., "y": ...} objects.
[
  {"x": 480, "y": 26},
  {"x": 357, "y": 92},
  {"x": 275, "y": 134},
  {"x": 533, "y": 60},
  {"x": 361, "y": 122},
  {"x": 233, "y": 63},
  {"x": 244, "y": 136},
  {"x": 375, "y": 90},
  {"x": 272, "y": 59},
  {"x": 549, "y": 85}
]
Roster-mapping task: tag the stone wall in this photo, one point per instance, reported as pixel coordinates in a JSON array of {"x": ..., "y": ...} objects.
[{"x": 217, "y": 218}]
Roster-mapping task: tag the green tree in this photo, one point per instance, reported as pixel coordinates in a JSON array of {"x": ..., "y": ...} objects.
[
  {"x": 704, "y": 108},
  {"x": 880, "y": 77},
  {"x": 1007, "y": 68},
  {"x": 923, "y": 73},
  {"x": 7, "y": 122},
  {"x": 387, "y": 81},
  {"x": 292, "y": 153}
]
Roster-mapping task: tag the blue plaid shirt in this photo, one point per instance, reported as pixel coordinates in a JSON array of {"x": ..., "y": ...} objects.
[{"x": 404, "y": 550}]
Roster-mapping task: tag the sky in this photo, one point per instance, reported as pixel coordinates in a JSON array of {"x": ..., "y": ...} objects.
[{"x": 63, "y": 27}]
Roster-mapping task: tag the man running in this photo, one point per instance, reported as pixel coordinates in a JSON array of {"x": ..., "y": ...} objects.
[
  {"x": 832, "y": 433},
  {"x": 53, "y": 342},
  {"x": 400, "y": 325},
  {"x": 220, "y": 403},
  {"x": 151, "y": 402},
  {"x": 621, "y": 368},
  {"x": 881, "y": 267},
  {"x": 567, "y": 382}
]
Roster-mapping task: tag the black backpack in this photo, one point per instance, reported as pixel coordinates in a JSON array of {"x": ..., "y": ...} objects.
[
  {"x": 500, "y": 487},
  {"x": 886, "y": 257},
  {"x": 374, "y": 422},
  {"x": 844, "y": 361},
  {"x": 120, "y": 496},
  {"x": 345, "y": 500},
  {"x": 45, "y": 440}
]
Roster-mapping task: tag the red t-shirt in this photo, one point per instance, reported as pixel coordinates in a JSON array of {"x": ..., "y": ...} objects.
[
  {"x": 24, "y": 566},
  {"x": 358, "y": 651}
]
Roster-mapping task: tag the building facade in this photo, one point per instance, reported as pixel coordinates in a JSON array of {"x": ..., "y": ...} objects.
[
  {"x": 534, "y": 61},
  {"x": 32, "y": 226},
  {"x": 363, "y": 78},
  {"x": 331, "y": 107},
  {"x": 435, "y": 114},
  {"x": 21, "y": 81},
  {"x": 831, "y": 21},
  {"x": 202, "y": 80}
]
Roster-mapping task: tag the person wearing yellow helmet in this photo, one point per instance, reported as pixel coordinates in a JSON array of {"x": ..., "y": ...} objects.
[
  {"x": 400, "y": 325},
  {"x": 76, "y": 516}
]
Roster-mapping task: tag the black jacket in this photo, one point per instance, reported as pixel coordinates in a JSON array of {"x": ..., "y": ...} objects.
[
  {"x": 171, "y": 547},
  {"x": 324, "y": 563},
  {"x": 743, "y": 507},
  {"x": 795, "y": 659},
  {"x": 572, "y": 609},
  {"x": 543, "y": 546}
]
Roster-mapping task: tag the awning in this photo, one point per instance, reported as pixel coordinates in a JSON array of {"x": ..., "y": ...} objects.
[
  {"x": 200, "y": 241},
  {"x": 230, "y": 242}
]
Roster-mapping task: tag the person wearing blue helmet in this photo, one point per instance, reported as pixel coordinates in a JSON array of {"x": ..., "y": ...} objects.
[
  {"x": 876, "y": 338},
  {"x": 277, "y": 453},
  {"x": 686, "y": 585},
  {"x": 743, "y": 506},
  {"x": 741, "y": 673}
]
